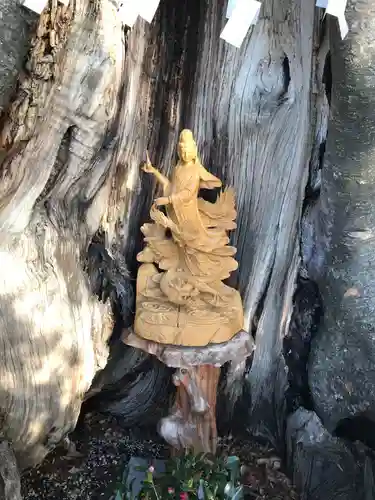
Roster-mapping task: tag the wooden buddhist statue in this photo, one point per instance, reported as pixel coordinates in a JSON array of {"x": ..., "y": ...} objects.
[
  {"x": 185, "y": 315},
  {"x": 181, "y": 299}
]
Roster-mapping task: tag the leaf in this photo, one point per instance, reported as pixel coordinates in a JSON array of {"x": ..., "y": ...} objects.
[
  {"x": 239, "y": 494},
  {"x": 232, "y": 461},
  {"x": 200, "y": 457},
  {"x": 119, "y": 495},
  {"x": 202, "y": 476},
  {"x": 229, "y": 490},
  {"x": 201, "y": 495},
  {"x": 209, "y": 494}
]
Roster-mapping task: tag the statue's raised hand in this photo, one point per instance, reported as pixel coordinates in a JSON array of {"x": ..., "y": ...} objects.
[{"x": 147, "y": 167}]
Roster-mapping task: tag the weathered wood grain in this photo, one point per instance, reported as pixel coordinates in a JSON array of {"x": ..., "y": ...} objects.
[
  {"x": 250, "y": 111},
  {"x": 251, "y": 116},
  {"x": 113, "y": 95},
  {"x": 53, "y": 331}
]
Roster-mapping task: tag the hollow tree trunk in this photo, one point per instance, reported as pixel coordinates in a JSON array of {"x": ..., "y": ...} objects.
[{"x": 92, "y": 100}]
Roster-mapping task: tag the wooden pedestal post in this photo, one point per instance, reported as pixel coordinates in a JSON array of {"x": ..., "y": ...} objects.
[{"x": 192, "y": 421}]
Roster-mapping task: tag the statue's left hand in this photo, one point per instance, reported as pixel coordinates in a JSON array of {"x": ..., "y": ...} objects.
[{"x": 160, "y": 202}]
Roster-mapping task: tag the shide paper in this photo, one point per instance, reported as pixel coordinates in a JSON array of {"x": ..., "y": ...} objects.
[
  {"x": 38, "y": 5},
  {"x": 128, "y": 12},
  {"x": 242, "y": 14},
  {"x": 147, "y": 9},
  {"x": 35, "y": 5},
  {"x": 231, "y": 5},
  {"x": 130, "y": 9},
  {"x": 336, "y": 8}
]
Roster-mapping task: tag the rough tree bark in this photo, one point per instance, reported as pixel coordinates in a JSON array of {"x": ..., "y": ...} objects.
[
  {"x": 91, "y": 99},
  {"x": 344, "y": 349}
]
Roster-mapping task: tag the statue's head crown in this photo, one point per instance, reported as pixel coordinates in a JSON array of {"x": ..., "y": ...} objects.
[
  {"x": 186, "y": 136},
  {"x": 187, "y": 143}
]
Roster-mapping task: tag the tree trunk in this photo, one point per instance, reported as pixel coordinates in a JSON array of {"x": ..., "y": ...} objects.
[
  {"x": 92, "y": 99},
  {"x": 344, "y": 350}
]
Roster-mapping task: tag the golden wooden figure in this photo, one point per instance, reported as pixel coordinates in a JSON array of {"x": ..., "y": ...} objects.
[
  {"x": 185, "y": 315},
  {"x": 181, "y": 299}
]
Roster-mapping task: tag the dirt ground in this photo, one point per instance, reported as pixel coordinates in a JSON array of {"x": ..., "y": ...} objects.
[{"x": 104, "y": 448}]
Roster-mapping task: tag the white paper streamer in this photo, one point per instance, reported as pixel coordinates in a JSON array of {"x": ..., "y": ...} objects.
[
  {"x": 38, "y": 5},
  {"x": 147, "y": 9},
  {"x": 230, "y": 7},
  {"x": 244, "y": 14},
  {"x": 343, "y": 27},
  {"x": 336, "y": 8},
  {"x": 35, "y": 5},
  {"x": 128, "y": 12}
]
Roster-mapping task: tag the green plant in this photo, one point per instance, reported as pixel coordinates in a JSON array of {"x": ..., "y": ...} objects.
[{"x": 202, "y": 477}]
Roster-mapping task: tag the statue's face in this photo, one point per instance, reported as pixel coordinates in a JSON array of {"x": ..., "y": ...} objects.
[{"x": 187, "y": 151}]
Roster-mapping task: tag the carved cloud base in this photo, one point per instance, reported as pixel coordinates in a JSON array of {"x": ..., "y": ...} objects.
[
  {"x": 196, "y": 322},
  {"x": 192, "y": 420}
]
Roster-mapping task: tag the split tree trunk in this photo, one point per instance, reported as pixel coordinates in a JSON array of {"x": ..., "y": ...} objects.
[{"x": 93, "y": 99}]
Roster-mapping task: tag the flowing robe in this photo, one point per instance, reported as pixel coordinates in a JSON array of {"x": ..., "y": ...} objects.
[{"x": 204, "y": 243}]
